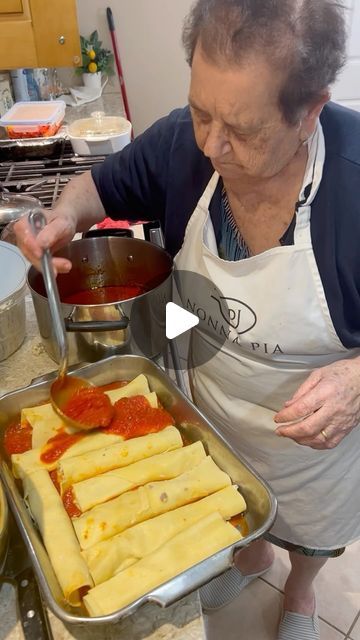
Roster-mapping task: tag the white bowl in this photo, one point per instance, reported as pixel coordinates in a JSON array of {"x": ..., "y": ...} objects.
[{"x": 99, "y": 135}]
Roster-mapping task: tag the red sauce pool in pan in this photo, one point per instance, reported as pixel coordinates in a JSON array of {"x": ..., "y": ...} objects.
[
  {"x": 17, "y": 437},
  {"x": 104, "y": 295}
]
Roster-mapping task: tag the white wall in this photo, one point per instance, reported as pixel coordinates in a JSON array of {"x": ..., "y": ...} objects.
[
  {"x": 149, "y": 40},
  {"x": 347, "y": 88}
]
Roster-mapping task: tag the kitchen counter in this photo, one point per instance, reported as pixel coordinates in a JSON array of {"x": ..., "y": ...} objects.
[{"x": 181, "y": 621}]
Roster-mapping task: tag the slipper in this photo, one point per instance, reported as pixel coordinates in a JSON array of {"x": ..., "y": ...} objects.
[
  {"x": 221, "y": 590},
  {"x": 296, "y": 626}
]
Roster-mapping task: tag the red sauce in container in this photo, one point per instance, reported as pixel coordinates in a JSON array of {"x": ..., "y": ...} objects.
[
  {"x": 104, "y": 295},
  {"x": 135, "y": 417},
  {"x": 17, "y": 437}
]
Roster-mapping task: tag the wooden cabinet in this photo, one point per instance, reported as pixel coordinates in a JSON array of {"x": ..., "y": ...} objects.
[{"x": 38, "y": 33}]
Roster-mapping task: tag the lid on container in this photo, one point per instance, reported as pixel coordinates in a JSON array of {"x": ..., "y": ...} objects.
[
  {"x": 33, "y": 113},
  {"x": 14, "y": 206},
  {"x": 14, "y": 265},
  {"x": 99, "y": 125}
]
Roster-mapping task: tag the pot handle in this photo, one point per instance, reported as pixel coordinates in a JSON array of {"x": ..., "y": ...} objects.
[{"x": 100, "y": 325}]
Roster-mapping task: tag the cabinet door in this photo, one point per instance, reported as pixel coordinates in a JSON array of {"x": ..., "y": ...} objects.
[
  {"x": 56, "y": 33},
  {"x": 39, "y": 33},
  {"x": 17, "y": 45},
  {"x": 11, "y": 6}
]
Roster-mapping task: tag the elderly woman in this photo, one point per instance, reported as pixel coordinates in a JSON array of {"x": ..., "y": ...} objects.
[{"x": 257, "y": 188}]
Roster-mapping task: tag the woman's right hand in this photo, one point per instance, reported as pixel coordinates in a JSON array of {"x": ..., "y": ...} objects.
[{"x": 59, "y": 230}]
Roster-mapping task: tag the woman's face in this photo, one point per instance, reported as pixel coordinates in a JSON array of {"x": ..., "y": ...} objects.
[{"x": 237, "y": 121}]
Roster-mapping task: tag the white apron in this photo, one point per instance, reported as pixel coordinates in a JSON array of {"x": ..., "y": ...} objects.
[{"x": 278, "y": 330}]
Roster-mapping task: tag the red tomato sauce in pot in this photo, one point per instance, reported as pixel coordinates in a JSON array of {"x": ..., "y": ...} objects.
[
  {"x": 135, "y": 417},
  {"x": 104, "y": 295},
  {"x": 91, "y": 407},
  {"x": 17, "y": 437}
]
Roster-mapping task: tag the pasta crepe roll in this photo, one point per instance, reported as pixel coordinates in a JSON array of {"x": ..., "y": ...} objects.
[
  {"x": 30, "y": 461},
  {"x": 176, "y": 555},
  {"x": 107, "y": 558},
  {"x": 104, "y": 521},
  {"x": 58, "y": 535},
  {"x": 139, "y": 386},
  {"x": 91, "y": 464},
  {"x": 46, "y": 423},
  {"x": 162, "y": 466}
]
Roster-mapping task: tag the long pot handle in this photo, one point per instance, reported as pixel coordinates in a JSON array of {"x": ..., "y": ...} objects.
[{"x": 100, "y": 325}]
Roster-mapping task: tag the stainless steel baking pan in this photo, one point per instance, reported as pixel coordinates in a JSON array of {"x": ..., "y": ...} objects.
[{"x": 193, "y": 424}]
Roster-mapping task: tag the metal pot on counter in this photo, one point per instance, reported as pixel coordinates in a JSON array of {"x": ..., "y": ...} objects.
[{"x": 99, "y": 320}]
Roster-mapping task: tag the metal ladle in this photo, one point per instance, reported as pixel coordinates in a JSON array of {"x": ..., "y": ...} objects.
[{"x": 64, "y": 387}]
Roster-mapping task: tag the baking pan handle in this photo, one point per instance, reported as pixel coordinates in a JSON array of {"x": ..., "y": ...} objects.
[
  {"x": 105, "y": 325},
  {"x": 192, "y": 579},
  {"x": 33, "y": 616}
]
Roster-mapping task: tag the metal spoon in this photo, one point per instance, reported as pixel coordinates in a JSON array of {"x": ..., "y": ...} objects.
[{"x": 64, "y": 387}]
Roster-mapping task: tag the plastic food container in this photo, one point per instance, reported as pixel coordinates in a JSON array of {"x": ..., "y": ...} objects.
[
  {"x": 12, "y": 299},
  {"x": 33, "y": 119},
  {"x": 99, "y": 135}
]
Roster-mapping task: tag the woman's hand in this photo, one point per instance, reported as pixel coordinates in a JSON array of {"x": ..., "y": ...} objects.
[
  {"x": 326, "y": 407},
  {"x": 78, "y": 208},
  {"x": 59, "y": 230}
]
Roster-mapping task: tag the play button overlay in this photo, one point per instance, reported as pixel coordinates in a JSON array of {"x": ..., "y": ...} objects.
[{"x": 178, "y": 320}]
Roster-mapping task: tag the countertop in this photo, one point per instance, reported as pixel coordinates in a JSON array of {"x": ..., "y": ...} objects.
[{"x": 181, "y": 621}]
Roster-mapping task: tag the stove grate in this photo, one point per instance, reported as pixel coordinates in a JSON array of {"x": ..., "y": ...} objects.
[{"x": 45, "y": 178}]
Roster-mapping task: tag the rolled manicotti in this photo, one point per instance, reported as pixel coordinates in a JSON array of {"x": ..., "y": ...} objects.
[
  {"x": 58, "y": 535},
  {"x": 175, "y": 556},
  {"x": 88, "y": 465},
  {"x": 25, "y": 463},
  {"x": 109, "y": 557},
  {"x": 46, "y": 423},
  {"x": 163, "y": 466},
  {"x": 106, "y": 520}
]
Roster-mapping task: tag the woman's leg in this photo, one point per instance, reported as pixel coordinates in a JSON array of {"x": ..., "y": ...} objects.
[
  {"x": 299, "y": 595},
  {"x": 258, "y": 556}
]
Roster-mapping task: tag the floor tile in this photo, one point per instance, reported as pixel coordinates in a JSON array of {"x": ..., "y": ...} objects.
[
  {"x": 254, "y": 615},
  {"x": 355, "y": 634},
  {"x": 329, "y": 633},
  {"x": 337, "y": 586}
]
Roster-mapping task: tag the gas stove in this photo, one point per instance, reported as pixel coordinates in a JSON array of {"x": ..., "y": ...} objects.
[{"x": 46, "y": 177}]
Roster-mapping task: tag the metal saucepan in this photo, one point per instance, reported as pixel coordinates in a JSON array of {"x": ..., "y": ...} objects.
[{"x": 135, "y": 325}]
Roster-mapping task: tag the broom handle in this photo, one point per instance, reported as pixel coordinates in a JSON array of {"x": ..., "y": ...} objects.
[{"x": 110, "y": 19}]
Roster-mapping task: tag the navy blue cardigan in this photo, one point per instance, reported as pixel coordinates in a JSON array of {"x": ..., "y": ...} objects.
[{"x": 162, "y": 174}]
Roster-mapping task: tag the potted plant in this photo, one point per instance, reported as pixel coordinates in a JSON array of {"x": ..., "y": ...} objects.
[{"x": 96, "y": 60}]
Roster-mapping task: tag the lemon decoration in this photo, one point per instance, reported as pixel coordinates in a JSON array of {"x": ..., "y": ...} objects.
[
  {"x": 92, "y": 54},
  {"x": 92, "y": 67}
]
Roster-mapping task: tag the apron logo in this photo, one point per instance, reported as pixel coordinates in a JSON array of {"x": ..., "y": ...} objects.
[{"x": 237, "y": 314}]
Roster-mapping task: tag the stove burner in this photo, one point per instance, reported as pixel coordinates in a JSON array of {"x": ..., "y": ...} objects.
[{"x": 45, "y": 178}]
